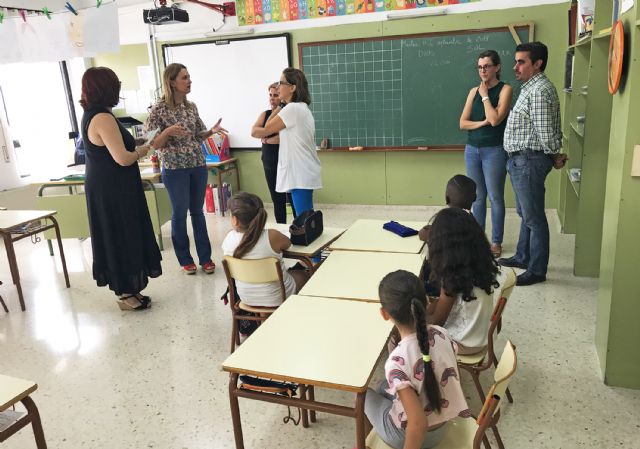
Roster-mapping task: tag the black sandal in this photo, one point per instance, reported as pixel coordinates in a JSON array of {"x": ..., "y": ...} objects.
[{"x": 124, "y": 305}]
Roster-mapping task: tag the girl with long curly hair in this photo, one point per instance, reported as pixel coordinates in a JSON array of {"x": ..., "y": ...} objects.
[{"x": 462, "y": 264}]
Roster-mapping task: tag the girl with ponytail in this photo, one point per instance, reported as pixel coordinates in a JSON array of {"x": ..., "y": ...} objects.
[
  {"x": 250, "y": 240},
  {"x": 421, "y": 391}
]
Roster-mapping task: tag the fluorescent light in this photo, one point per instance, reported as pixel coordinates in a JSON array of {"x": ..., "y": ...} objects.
[
  {"x": 423, "y": 12},
  {"x": 239, "y": 32}
]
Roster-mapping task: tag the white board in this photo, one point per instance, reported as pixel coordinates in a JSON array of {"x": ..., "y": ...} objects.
[{"x": 231, "y": 80}]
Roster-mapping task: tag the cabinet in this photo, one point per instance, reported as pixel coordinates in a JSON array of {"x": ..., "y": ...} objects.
[{"x": 586, "y": 124}]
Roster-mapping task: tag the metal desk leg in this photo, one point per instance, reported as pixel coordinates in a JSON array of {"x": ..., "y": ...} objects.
[
  {"x": 64, "y": 262},
  {"x": 13, "y": 266},
  {"x": 50, "y": 247},
  {"x": 235, "y": 411},
  {"x": 312, "y": 397},
  {"x": 220, "y": 192},
  {"x": 235, "y": 166},
  {"x": 360, "y": 417},
  {"x": 35, "y": 422}
]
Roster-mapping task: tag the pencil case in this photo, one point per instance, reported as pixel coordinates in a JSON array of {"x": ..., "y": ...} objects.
[{"x": 397, "y": 228}]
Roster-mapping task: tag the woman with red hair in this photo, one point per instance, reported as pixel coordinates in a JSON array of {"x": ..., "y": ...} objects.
[{"x": 125, "y": 253}]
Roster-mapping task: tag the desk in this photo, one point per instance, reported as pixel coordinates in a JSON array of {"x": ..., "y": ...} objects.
[
  {"x": 12, "y": 391},
  {"x": 338, "y": 348},
  {"x": 356, "y": 275},
  {"x": 304, "y": 253},
  {"x": 220, "y": 168},
  {"x": 72, "y": 207},
  {"x": 368, "y": 235},
  {"x": 18, "y": 224}
]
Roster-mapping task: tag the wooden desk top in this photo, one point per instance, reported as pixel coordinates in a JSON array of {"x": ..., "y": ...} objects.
[
  {"x": 13, "y": 390},
  {"x": 315, "y": 341},
  {"x": 14, "y": 218},
  {"x": 328, "y": 236},
  {"x": 146, "y": 175},
  {"x": 356, "y": 275},
  {"x": 368, "y": 235}
]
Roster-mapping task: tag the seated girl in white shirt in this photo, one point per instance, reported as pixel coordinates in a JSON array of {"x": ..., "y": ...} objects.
[
  {"x": 462, "y": 264},
  {"x": 250, "y": 240}
]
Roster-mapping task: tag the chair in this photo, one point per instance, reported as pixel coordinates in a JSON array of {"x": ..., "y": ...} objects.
[
  {"x": 252, "y": 271},
  {"x": 12, "y": 391},
  {"x": 485, "y": 359},
  {"x": 469, "y": 433},
  {"x": 2, "y": 303}
]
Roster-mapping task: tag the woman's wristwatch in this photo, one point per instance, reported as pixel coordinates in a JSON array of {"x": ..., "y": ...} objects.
[
  {"x": 485, "y": 99},
  {"x": 282, "y": 104}
]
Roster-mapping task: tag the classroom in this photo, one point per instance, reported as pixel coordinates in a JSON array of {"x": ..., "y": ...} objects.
[{"x": 388, "y": 83}]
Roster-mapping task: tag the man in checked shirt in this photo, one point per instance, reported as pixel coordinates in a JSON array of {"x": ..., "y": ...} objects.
[{"x": 533, "y": 140}]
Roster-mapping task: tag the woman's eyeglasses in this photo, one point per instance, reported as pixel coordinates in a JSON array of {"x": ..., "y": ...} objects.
[
  {"x": 485, "y": 67},
  {"x": 284, "y": 83}
]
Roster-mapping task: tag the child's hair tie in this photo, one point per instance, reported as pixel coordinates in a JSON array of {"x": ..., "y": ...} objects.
[{"x": 426, "y": 358}]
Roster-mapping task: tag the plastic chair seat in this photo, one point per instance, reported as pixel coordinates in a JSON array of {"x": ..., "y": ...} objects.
[
  {"x": 472, "y": 359},
  {"x": 252, "y": 309},
  {"x": 459, "y": 435}
]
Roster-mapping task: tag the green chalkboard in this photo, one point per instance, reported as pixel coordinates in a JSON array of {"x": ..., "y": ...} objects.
[{"x": 399, "y": 91}]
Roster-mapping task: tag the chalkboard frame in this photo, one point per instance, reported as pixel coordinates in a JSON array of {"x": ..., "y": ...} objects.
[{"x": 302, "y": 45}]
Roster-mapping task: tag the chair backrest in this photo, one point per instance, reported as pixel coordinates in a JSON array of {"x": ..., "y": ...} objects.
[
  {"x": 496, "y": 316},
  {"x": 252, "y": 271},
  {"x": 505, "y": 370}
]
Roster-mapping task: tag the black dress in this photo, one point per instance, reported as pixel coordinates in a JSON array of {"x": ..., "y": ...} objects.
[
  {"x": 125, "y": 252},
  {"x": 270, "y": 164}
]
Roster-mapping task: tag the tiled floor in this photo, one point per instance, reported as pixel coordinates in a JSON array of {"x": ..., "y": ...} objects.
[{"x": 112, "y": 379}]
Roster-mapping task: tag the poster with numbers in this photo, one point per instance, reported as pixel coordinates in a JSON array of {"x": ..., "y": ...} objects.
[{"x": 256, "y": 12}]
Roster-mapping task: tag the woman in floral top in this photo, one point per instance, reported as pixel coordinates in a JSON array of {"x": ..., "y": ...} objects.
[{"x": 184, "y": 171}]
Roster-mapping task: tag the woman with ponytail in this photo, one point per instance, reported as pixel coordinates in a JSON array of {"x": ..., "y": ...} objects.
[
  {"x": 421, "y": 392},
  {"x": 250, "y": 240}
]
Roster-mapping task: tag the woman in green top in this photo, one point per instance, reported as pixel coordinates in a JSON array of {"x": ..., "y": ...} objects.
[{"x": 484, "y": 116}]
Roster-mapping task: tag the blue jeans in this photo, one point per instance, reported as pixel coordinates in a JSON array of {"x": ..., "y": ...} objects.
[
  {"x": 487, "y": 166},
  {"x": 186, "y": 187},
  {"x": 528, "y": 171}
]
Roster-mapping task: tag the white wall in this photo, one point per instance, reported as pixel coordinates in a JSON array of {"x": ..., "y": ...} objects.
[
  {"x": 202, "y": 20},
  {"x": 9, "y": 178}
]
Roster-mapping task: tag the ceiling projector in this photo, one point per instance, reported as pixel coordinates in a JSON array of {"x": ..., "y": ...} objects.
[{"x": 165, "y": 15}]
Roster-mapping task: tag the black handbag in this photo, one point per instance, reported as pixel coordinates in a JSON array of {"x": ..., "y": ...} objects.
[{"x": 306, "y": 227}]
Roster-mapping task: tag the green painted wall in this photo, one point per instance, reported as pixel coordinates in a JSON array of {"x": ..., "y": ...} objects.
[
  {"x": 125, "y": 63},
  {"x": 618, "y": 309},
  {"x": 407, "y": 178},
  {"x": 420, "y": 177}
]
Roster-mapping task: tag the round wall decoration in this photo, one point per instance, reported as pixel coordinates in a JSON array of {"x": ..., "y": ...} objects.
[{"x": 616, "y": 53}]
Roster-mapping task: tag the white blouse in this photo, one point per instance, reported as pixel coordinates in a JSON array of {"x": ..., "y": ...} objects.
[{"x": 298, "y": 162}]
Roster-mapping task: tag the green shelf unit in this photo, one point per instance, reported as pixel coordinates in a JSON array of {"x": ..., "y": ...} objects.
[{"x": 587, "y": 145}]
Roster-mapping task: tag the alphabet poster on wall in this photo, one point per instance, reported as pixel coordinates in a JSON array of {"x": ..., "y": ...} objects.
[{"x": 256, "y": 12}]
